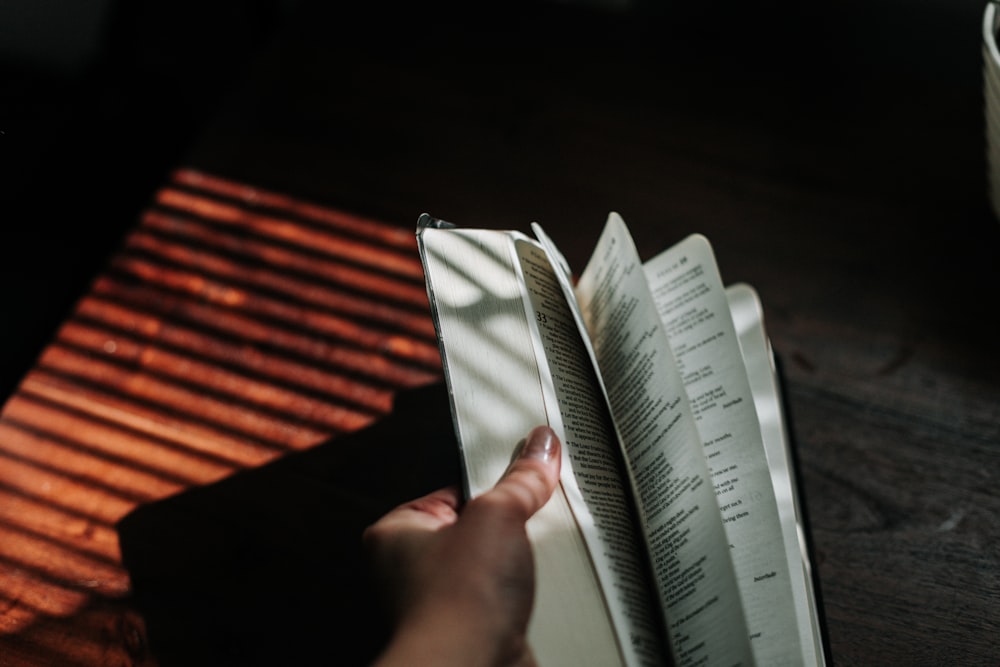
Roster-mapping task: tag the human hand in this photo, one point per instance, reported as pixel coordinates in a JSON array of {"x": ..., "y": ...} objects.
[{"x": 460, "y": 581}]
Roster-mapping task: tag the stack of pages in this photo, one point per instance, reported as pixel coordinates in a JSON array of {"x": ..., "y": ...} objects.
[{"x": 676, "y": 536}]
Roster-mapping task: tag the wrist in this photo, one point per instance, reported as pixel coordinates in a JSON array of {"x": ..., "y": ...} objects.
[{"x": 445, "y": 641}]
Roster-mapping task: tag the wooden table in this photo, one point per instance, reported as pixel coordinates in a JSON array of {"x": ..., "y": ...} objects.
[
  {"x": 214, "y": 383},
  {"x": 234, "y": 327}
]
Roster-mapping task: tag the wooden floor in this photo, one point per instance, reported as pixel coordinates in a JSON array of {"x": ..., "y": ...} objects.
[{"x": 184, "y": 470}]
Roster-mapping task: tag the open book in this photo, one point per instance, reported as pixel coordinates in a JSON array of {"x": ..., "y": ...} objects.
[{"x": 676, "y": 535}]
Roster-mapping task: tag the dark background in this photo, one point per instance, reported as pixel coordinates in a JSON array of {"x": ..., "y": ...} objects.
[{"x": 572, "y": 104}]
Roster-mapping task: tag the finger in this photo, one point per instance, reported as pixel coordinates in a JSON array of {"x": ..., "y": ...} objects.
[
  {"x": 431, "y": 512},
  {"x": 533, "y": 475},
  {"x": 442, "y": 504}
]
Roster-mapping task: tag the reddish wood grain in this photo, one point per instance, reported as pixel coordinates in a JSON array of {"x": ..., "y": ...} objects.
[{"x": 233, "y": 325}]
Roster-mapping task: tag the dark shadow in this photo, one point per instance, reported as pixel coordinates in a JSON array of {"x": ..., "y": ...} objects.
[{"x": 266, "y": 567}]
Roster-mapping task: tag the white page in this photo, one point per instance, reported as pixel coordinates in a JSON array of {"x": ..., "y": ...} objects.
[
  {"x": 692, "y": 303},
  {"x": 496, "y": 399},
  {"x": 748, "y": 318},
  {"x": 674, "y": 495},
  {"x": 593, "y": 477}
]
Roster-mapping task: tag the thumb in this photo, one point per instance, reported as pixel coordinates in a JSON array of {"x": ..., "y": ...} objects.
[{"x": 533, "y": 473}]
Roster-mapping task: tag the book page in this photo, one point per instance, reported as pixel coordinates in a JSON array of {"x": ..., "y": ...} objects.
[
  {"x": 667, "y": 471},
  {"x": 593, "y": 478},
  {"x": 748, "y": 318},
  {"x": 692, "y": 303},
  {"x": 493, "y": 380}
]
